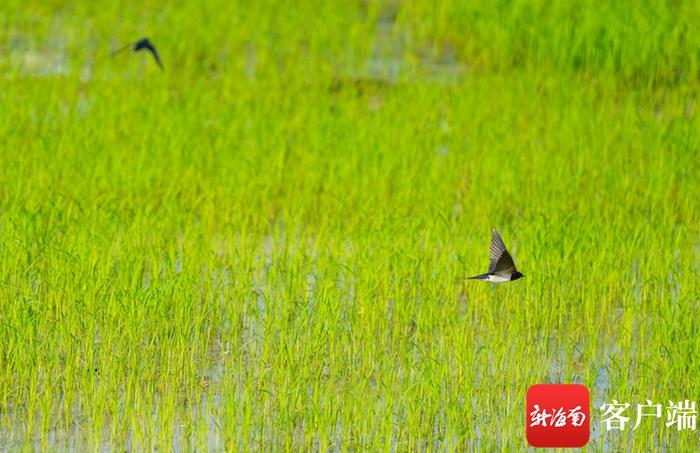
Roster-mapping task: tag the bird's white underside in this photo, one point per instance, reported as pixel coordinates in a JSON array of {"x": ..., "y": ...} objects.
[{"x": 496, "y": 278}]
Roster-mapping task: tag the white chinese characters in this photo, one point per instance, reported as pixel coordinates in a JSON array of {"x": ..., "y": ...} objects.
[
  {"x": 681, "y": 414},
  {"x": 556, "y": 417}
]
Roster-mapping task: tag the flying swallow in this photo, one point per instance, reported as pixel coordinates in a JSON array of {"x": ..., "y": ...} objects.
[
  {"x": 502, "y": 267},
  {"x": 141, "y": 44}
]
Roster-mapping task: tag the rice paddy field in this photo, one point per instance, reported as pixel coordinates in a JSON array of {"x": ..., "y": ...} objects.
[{"x": 264, "y": 246}]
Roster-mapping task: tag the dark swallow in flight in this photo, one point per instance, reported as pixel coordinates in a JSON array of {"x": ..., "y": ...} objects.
[
  {"x": 502, "y": 267},
  {"x": 141, "y": 44}
]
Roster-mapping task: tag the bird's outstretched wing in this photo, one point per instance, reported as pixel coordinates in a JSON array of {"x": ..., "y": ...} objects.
[
  {"x": 145, "y": 43},
  {"x": 501, "y": 261}
]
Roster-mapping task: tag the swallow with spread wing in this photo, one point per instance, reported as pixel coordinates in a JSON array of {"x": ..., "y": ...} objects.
[
  {"x": 502, "y": 267},
  {"x": 141, "y": 44}
]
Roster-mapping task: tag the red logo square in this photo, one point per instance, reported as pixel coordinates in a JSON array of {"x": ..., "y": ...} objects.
[{"x": 557, "y": 415}]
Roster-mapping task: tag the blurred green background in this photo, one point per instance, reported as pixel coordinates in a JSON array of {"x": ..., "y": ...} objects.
[{"x": 264, "y": 246}]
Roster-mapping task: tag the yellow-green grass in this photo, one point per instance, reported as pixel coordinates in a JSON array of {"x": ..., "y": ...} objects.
[{"x": 263, "y": 247}]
